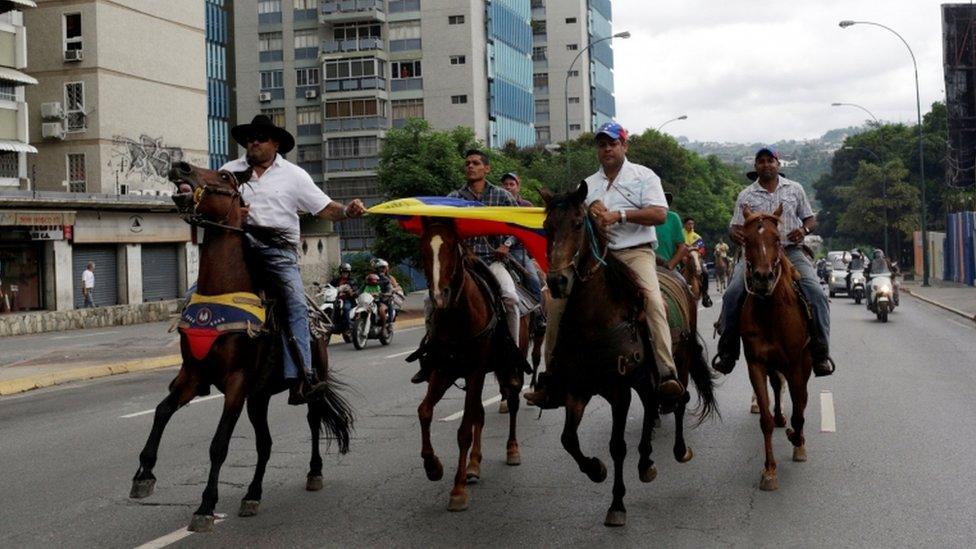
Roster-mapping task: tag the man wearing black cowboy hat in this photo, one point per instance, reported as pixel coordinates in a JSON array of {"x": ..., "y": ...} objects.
[{"x": 276, "y": 192}]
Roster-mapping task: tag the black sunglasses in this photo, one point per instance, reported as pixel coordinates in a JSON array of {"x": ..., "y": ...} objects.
[{"x": 257, "y": 138}]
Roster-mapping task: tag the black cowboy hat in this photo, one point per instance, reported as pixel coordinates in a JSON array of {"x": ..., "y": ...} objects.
[{"x": 262, "y": 124}]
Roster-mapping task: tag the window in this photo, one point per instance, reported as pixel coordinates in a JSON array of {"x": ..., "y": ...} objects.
[
  {"x": 269, "y": 6},
  {"x": 573, "y": 73},
  {"x": 455, "y": 20},
  {"x": 308, "y": 38},
  {"x": 458, "y": 60},
  {"x": 407, "y": 108},
  {"x": 308, "y": 153},
  {"x": 271, "y": 80},
  {"x": 353, "y": 68},
  {"x": 76, "y": 172},
  {"x": 539, "y": 26},
  {"x": 404, "y": 36},
  {"x": 539, "y": 53},
  {"x": 74, "y": 106},
  {"x": 307, "y": 77},
  {"x": 269, "y": 41},
  {"x": 570, "y": 20},
  {"x": 540, "y": 80},
  {"x": 308, "y": 116},
  {"x": 352, "y": 147},
  {"x": 277, "y": 116},
  {"x": 8, "y": 92},
  {"x": 72, "y": 31},
  {"x": 574, "y": 127},
  {"x": 349, "y": 108},
  {"x": 572, "y": 47},
  {"x": 405, "y": 69},
  {"x": 397, "y": 6},
  {"x": 354, "y": 31},
  {"x": 306, "y": 4},
  {"x": 542, "y": 106},
  {"x": 542, "y": 134},
  {"x": 574, "y": 100},
  {"x": 459, "y": 99},
  {"x": 9, "y": 164}
]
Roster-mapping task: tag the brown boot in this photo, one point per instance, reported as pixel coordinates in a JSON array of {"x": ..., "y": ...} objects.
[
  {"x": 301, "y": 391},
  {"x": 545, "y": 396}
]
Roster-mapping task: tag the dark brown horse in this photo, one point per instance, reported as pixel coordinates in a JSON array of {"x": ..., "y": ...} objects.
[
  {"x": 723, "y": 271},
  {"x": 246, "y": 369},
  {"x": 468, "y": 338},
  {"x": 774, "y": 328},
  {"x": 603, "y": 346}
]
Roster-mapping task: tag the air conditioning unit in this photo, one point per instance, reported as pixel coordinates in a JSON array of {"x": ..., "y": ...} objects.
[
  {"x": 73, "y": 55},
  {"x": 311, "y": 94},
  {"x": 264, "y": 97},
  {"x": 52, "y": 111},
  {"x": 52, "y": 130}
]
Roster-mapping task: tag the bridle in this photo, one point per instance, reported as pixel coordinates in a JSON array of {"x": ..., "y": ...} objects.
[
  {"x": 777, "y": 263},
  {"x": 194, "y": 218},
  {"x": 591, "y": 240}
]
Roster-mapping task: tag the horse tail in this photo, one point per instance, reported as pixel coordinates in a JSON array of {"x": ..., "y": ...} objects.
[
  {"x": 335, "y": 413},
  {"x": 704, "y": 381}
]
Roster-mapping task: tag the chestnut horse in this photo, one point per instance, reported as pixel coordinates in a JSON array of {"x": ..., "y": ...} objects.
[
  {"x": 467, "y": 338},
  {"x": 246, "y": 369},
  {"x": 774, "y": 329},
  {"x": 690, "y": 271},
  {"x": 604, "y": 348},
  {"x": 722, "y": 272}
]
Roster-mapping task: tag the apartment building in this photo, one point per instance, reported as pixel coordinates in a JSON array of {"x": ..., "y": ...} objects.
[
  {"x": 339, "y": 74},
  {"x": 568, "y": 75},
  {"x": 220, "y": 81},
  {"x": 14, "y": 143}
]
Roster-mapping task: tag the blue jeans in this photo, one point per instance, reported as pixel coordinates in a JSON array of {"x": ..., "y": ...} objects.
[
  {"x": 530, "y": 279},
  {"x": 735, "y": 296},
  {"x": 281, "y": 267}
]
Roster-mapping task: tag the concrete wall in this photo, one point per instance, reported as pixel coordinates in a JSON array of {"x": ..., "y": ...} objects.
[{"x": 100, "y": 317}]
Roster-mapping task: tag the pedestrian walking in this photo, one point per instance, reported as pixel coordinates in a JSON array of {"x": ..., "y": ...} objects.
[{"x": 88, "y": 285}]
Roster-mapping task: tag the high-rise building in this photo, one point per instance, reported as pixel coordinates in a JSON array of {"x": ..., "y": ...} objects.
[
  {"x": 220, "y": 74},
  {"x": 568, "y": 76},
  {"x": 14, "y": 144}
]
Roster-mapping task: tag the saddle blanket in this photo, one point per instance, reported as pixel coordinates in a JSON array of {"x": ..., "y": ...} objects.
[{"x": 207, "y": 317}]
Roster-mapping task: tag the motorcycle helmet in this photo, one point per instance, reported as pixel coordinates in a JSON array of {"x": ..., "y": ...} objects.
[
  {"x": 345, "y": 268},
  {"x": 380, "y": 264},
  {"x": 878, "y": 253},
  {"x": 372, "y": 278}
]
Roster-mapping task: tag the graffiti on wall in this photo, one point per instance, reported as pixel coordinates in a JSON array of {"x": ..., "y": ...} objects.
[{"x": 143, "y": 164}]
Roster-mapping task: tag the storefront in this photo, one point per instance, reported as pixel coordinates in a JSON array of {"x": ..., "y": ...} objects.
[
  {"x": 24, "y": 236},
  {"x": 160, "y": 272}
]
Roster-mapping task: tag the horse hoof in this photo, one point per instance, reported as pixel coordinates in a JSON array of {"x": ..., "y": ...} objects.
[
  {"x": 433, "y": 468},
  {"x": 768, "y": 482},
  {"x": 648, "y": 474},
  {"x": 800, "y": 453},
  {"x": 615, "y": 518},
  {"x": 513, "y": 458},
  {"x": 458, "y": 503},
  {"x": 779, "y": 421},
  {"x": 249, "y": 508},
  {"x": 473, "y": 477},
  {"x": 201, "y": 523},
  {"x": 142, "y": 488},
  {"x": 754, "y": 408},
  {"x": 597, "y": 470},
  {"x": 687, "y": 457},
  {"x": 313, "y": 483},
  {"x": 503, "y": 407}
]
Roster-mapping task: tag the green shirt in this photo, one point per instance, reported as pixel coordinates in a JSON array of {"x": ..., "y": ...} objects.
[{"x": 669, "y": 235}]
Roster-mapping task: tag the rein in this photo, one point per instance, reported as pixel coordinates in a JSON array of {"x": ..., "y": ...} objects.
[
  {"x": 199, "y": 194},
  {"x": 777, "y": 266},
  {"x": 594, "y": 245}
]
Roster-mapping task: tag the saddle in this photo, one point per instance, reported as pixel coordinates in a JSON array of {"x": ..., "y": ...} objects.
[{"x": 205, "y": 318}]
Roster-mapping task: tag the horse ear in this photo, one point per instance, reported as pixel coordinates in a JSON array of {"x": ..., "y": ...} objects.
[
  {"x": 546, "y": 195},
  {"x": 779, "y": 210},
  {"x": 580, "y": 195}
]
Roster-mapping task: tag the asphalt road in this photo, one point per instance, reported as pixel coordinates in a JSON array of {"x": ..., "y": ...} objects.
[{"x": 897, "y": 471}]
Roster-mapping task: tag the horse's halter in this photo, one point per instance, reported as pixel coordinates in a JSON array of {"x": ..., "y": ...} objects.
[
  {"x": 201, "y": 192},
  {"x": 588, "y": 238},
  {"x": 777, "y": 263}
]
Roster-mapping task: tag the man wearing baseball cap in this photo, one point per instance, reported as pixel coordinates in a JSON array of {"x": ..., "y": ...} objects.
[
  {"x": 629, "y": 200},
  {"x": 770, "y": 190}
]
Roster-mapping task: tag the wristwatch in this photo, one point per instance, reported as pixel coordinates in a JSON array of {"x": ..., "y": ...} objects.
[{"x": 623, "y": 216}]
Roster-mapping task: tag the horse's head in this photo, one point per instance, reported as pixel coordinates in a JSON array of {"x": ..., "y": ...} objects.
[
  {"x": 572, "y": 239},
  {"x": 207, "y": 194},
  {"x": 440, "y": 253},
  {"x": 763, "y": 251}
]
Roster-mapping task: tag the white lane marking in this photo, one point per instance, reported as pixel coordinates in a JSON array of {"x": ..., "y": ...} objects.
[
  {"x": 435, "y": 246},
  {"x": 176, "y": 536},
  {"x": 194, "y": 401},
  {"x": 398, "y": 354},
  {"x": 80, "y": 336},
  {"x": 492, "y": 400},
  {"x": 828, "y": 424}
]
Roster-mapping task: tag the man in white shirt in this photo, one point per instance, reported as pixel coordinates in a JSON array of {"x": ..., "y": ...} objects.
[
  {"x": 276, "y": 192},
  {"x": 629, "y": 200},
  {"x": 88, "y": 285}
]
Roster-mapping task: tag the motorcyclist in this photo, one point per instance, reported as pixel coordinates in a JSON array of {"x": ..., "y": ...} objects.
[
  {"x": 856, "y": 264},
  {"x": 374, "y": 287},
  {"x": 346, "y": 285},
  {"x": 388, "y": 284},
  {"x": 879, "y": 266}
]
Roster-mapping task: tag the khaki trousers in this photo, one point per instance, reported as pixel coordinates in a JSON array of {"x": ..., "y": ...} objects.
[{"x": 642, "y": 262}]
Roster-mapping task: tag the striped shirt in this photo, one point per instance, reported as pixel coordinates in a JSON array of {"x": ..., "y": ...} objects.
[
  {"x": 484, "y": 246},
  {"x": 796, "y": 206}
]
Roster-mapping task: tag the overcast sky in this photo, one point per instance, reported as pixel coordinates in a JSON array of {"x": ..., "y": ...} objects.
[{"x": 765, "y": 70}]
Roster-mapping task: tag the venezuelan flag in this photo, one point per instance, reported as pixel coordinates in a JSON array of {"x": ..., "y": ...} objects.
[{"x": 472, "y": 219}]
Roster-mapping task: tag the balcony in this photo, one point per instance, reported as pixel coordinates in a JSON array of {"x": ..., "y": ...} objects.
[
  {"x": 405, "y": 84},
  {"x": 356, "y": 124},
  {"x": 352, "y": 164},
  {"x": 342, "y": 46},
  {"x": 353, "y": 84},
  {"x": 342, "y": 11}
]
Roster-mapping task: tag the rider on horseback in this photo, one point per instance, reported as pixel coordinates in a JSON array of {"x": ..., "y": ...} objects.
[
  {"x": 695, "y": 242},
  {"x": 767, "y": 193},
  {"x": 275, "y": 193},
  {"x": 671, "y": 249},
  {"x": 491, "y": 249},
  {"x": 627, "y": 198}
]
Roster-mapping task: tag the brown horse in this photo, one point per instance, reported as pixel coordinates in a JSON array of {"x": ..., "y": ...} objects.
[
  {"x": 691, "y": 271},
  {"x": 245, "y": 368},
  {"x": 604, "y": 348},
  {"x": 722, "y": 271},
  {"x": 467, "y": 339},
  {"x": 774, "y": 329}
]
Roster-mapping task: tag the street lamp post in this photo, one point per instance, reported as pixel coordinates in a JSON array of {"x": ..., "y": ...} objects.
[
  {"x": 921, "y": 161},
  {"x": 682, "y": 117},
  {"x": 855, "y": 105},
  {"x": 884, "y": 189}
]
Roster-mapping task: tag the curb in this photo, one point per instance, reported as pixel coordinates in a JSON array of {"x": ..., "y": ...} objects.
[
  {"x": 29, "y": 383},
  {"x": 943, "y": 306}
]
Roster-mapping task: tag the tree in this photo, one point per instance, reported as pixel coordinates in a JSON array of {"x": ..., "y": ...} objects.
[{"x": 874, "y": 190}]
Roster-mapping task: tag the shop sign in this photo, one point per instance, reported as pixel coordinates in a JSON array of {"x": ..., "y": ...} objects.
[
  {"x": 28, "y": 218},
  {"x": 47, "y": 232}
]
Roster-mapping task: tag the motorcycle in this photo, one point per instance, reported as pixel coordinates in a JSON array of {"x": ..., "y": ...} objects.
[
  {"x": 881, "y": 300},
  {"x": 857, "y": 285},
  {"x": 364, "y": 322}
]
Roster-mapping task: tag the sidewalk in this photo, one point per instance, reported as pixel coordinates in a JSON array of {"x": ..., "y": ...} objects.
[
  {"x": 956, "y": 298},
  {"x": 42, "y": 360}
]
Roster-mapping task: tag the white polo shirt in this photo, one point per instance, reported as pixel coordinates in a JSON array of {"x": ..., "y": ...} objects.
[
  {"x": 276, "y": 197},
  {"x": 635, "y": 187},
  {"x": 88, "y": 279}
]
